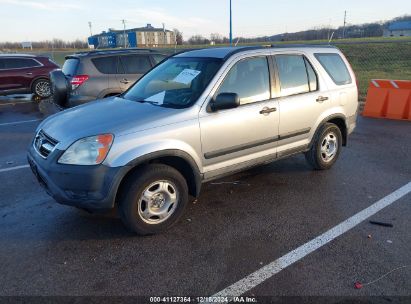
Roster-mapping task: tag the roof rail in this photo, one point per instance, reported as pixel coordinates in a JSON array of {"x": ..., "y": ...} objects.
[
  {"x": 242, "y": 49},
  {"x": 318, "y": 45},
  {"x": 108, "y": 51}
]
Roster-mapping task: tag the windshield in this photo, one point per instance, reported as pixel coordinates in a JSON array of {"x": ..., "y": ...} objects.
[{"x": 176, "y": 83}]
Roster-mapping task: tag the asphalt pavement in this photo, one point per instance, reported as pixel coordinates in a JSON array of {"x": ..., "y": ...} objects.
[{"x": 238, "y": 225}]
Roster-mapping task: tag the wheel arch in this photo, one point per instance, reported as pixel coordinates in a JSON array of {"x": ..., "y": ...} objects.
[
  {"x": 340, "y": 121},
  {"x": 179, "y": 160},
  {"x": 42, "y": 77}
]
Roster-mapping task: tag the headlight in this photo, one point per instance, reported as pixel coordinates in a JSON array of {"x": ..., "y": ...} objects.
[{"x": 88, "y": 151}]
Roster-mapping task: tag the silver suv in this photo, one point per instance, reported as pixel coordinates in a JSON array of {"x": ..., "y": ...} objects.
[{"x": 197, "y": 116}]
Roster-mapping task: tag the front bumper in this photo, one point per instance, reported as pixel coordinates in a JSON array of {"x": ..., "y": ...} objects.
[{"x": 88, "y": 187}]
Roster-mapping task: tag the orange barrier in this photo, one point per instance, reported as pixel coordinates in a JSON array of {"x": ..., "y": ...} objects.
[{"x": 389, "y": 99}]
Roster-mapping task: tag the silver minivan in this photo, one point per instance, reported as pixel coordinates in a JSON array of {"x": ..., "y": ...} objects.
[{"x": 197, "y": 116}]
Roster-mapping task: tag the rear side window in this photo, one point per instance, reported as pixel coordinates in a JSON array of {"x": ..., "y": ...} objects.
[
  {"x": 106, "y": 65},
  {"x": 19, "y": 63},
  {"x": 135, "y": 64},
  {"x": 70, "y": 66},
  {"x": 335, "y": 67},
  {"x": 293, "y": 74},
  {"x": 2, "y": 64}
]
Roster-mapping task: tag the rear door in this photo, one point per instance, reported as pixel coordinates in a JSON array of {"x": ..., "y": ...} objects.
[
  {"x": 131, "y": 68},
  {"x": 106, "y": 82},
  {"x": 303, "y": 99},
  {"x": 4, "y": 76}
]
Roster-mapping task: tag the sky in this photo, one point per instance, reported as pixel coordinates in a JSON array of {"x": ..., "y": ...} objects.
[{"x": 33, "y": 20}]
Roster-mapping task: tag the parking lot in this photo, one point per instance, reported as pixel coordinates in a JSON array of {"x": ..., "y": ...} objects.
[{"x": 238, "y": 226}]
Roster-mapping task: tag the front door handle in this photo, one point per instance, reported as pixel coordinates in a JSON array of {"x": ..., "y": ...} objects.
[
  {"x": 267, "y": 110},
  {"x": 29, "y": 73},
  {"x": 125, "y": 81},
  {"x": 321, "y": 99}
]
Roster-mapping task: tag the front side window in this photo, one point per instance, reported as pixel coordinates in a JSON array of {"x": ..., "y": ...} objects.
[
  {"x": 293, "y": 74},
  {"x": 249, "y": 79},
  {"x": 135, "y": 64},
  {"x": 176, "y": 83},
  {"x": 335, "y": 67}
]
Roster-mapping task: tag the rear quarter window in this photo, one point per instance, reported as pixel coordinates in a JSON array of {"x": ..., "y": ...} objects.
[
  {"x": 335, "y": 67},
  {"x": 70, "y": 67}
]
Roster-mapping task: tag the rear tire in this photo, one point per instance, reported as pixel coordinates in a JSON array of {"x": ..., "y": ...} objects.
[
  {"x": 153, "y": 199},
  {"x": 326, "y": 147},
  {"x": 41, "y": 88}
]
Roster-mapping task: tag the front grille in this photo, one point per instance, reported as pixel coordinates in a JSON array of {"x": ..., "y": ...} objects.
[{"x": 44, "y": 144}]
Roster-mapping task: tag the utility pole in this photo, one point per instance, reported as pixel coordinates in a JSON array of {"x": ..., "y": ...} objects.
[
  {"x": 231, "y": 25},
  {"x": 90, "y": 26},
  {"x": 124, "y": 33},
  {"x": 164, "y": 34},
  {"x": 345, "y": 23}
]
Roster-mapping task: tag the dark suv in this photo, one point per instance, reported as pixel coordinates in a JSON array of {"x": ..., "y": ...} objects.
[
  {"x": 20, "y": 74},
  {"x": 98, "y": 74}
]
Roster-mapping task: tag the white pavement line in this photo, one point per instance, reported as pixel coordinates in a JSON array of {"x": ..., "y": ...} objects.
[
  {"x": 18, "y": 122},
  {"x": 15, "y": 103},
  {"x": 266, "y": 272},
  {"x": 14, "y": 168}
]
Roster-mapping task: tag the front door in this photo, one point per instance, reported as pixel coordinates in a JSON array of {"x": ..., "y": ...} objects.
[{"x": 236, "y": 138}]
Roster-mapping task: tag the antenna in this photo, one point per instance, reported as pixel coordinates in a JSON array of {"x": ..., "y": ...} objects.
[{"x": 331, "y": 38}]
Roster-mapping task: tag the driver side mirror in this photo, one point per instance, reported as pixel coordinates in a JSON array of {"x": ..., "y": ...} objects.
[{"x": 225, "y": 101}]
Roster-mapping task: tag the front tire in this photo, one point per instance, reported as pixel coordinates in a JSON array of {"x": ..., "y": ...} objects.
[
  {"x": 326, "y": 147},
  {"x": 41, "y": 88},
  {"x": 154, "y": 199}
]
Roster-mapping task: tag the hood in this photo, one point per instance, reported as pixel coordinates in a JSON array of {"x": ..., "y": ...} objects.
[{"x": 115, "y": 115}]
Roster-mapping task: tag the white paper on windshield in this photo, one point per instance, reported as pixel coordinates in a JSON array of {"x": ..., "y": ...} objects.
[
  {"x": 186, "y": 76},
  {"x": 157, "y": 98}
]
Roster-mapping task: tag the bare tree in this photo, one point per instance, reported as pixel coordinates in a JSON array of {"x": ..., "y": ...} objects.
[
  {"x": 216, "y": 37},
  {"x": 198, "y": 39},
  {"x": 179, "y": 36}
]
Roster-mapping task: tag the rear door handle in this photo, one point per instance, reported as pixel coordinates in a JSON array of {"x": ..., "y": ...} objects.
[
  {"x": 125, "y": 81},
  {"x": 321, "y": 99},
  {"x": 267, "y": 110},
  {"x": 29, "y": 73}
]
